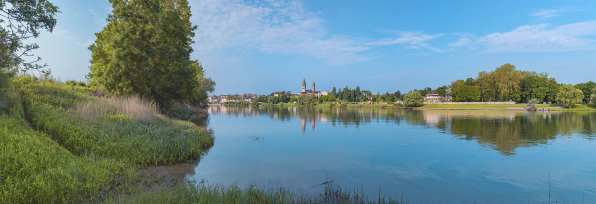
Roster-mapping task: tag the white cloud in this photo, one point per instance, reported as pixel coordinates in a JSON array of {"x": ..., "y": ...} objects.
[
  {"x": 281, "y": 27},
  {"x": 544, "y": 14},
  {"x": 464, "y": 40},
  {"x": 535, "y": 38},
  {"x": 549, "y": 13},
  {"x": 538, "y": 38}
]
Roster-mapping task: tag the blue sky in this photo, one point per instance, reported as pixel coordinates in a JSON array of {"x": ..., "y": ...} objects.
[{"x": 271, "y": 45}]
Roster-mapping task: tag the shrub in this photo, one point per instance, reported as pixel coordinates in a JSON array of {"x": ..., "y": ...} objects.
[
  {"x": 532, "y": 103},
  {"x": 413, "y": 99},
  {"x": 312, "y": 104}
]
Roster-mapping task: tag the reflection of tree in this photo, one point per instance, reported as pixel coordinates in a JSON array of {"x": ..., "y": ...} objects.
[
  {"x": 507, "y": 131},
  {"x": 503, "y": 131}
]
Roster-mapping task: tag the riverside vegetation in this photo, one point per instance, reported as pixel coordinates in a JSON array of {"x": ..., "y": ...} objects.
[{"x": 60, "y": 144}]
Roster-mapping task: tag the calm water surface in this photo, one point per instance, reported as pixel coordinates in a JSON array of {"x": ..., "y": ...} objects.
[{"x": 428, "y": 156}]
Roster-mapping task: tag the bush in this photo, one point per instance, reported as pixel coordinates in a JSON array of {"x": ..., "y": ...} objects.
[
  {"x": 398, "y": 105},
  {"x": 413, "y": 99},
  {"x": 532, "y": 103},
  {"x": 312, "y": 104}
]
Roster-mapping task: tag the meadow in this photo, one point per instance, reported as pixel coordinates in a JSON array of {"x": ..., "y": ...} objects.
[{"x": 61, "y": 144}]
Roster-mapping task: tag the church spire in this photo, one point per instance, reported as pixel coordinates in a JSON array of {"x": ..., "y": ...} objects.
[
  {"x": 313, "y": 86},
  {"x": 303, "y": 85}
]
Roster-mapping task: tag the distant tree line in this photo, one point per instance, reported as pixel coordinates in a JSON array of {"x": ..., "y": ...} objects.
[{"x": 506, "y": 83}]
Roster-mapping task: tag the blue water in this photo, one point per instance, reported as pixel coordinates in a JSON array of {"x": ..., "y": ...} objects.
[{"x": 424, "y": 156}]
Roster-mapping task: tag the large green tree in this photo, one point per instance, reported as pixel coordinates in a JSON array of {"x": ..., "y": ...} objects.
[
  {"x": 486, "y": 86},
  {"x": 466, "y": 93},
  {"x": 145, "y": 49},
  {"x": 21, "y": 20},
  {"x": 569, "y": 95},
  {"x": 534, "y": 87}
]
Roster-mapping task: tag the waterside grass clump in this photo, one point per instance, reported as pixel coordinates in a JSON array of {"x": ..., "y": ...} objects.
[
  {"x": 60, "y": 144},
  {"x": 203, "y": 193}
]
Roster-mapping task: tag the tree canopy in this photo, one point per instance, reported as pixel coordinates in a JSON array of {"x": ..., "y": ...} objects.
[
  {"x": 145, "y": 49},
  {"x": 413, "y": 99},
  {"x": 569, "y": 95},
  {"x": 20, "y": 21},
  {"x": 586, "y": 88},
  {"x": 466, "y": 93}
]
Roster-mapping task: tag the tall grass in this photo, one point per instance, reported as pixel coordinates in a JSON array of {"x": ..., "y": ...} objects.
[
  {"x": 59, "y": 144},
  {"x": 203, "y": 193},
  {"x": 128, "y": 129},
  {"x": 132, "y": 106},
  {"x": 36, "y": 169}
]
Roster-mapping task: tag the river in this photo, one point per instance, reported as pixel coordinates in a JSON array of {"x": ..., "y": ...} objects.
[{"x": 423, "y": 156}]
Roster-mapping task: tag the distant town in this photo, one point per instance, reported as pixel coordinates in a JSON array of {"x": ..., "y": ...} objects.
[{"x": 359, "y": 96}]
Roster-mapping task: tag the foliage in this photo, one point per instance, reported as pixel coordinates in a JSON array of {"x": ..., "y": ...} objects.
[
  {"x": 532, "y": 103},
  {"x": 327, "y": 98},
  {"x": 413, "y": 99},
  {"x": 124, "y": 60},
  {"x": 467, "y": 93},
  {"x": 501, "y": 84},
  {"x": 569, "y": 95},
  {"x": 442, "y": 91},
  {"x": 19, "y": 22},
  {"x": 6, "y": 102},
  {"x": 204, "y": 86},
  {"x": 586, "y": 88},
  {"x": 593, "y": 97}
]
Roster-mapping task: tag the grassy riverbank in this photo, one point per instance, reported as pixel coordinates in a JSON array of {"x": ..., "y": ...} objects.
[
  {"x": 202, "y": 193},
  {"x": 552, "y": 107},
  {"x": 60, "y": 144}
]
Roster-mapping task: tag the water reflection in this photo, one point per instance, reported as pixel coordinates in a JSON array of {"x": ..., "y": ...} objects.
[
  {"x": 429, "y": 156},
  {"x": 503, "y": 131}
]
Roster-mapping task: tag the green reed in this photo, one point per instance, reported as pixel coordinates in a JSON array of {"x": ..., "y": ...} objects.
[{"x": 203, "y": 193}]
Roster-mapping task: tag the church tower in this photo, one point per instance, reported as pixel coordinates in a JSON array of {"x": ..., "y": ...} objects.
[
  {"x": 303, "y": 85},
  {"x": 313, "y": 86}
]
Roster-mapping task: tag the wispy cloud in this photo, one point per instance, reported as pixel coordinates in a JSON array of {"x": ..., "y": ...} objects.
[
  {"x": 283, "y": 27},
  {"x": 464, "y": 40},
  {"x": 536, "y": 38},
  {"x": 549, "y": 13},
  {"x": 544, "y": 14}
]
